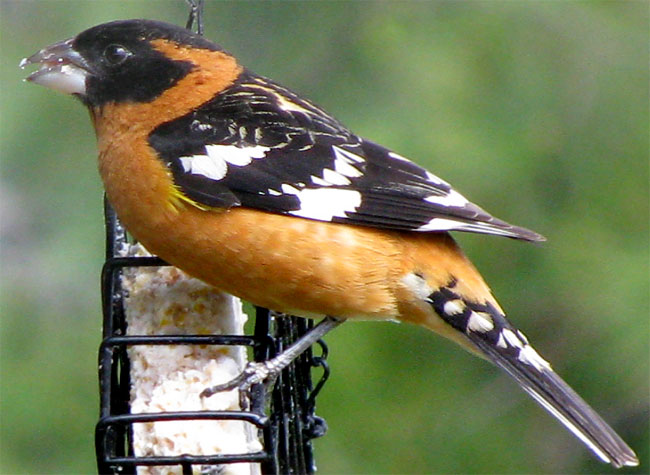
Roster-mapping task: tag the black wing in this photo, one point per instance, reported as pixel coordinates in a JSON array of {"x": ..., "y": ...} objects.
[{"x": 261, "y": 146}]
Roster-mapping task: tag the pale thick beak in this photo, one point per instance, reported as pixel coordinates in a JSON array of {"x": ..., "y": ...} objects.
[{"x": 60, "y": 68}]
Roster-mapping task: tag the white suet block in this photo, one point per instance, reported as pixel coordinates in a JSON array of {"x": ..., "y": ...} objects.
[{"x": 165, "y": 300}]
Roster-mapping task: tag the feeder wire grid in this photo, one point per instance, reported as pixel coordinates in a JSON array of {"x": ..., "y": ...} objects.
[{"x": 284, "y": 416}]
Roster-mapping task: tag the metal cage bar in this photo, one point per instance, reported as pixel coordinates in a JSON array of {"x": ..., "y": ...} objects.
[{"x": 285, "y": 418}]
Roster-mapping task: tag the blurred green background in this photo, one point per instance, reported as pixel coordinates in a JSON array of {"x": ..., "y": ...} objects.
[{"x": 538, "y": 111}]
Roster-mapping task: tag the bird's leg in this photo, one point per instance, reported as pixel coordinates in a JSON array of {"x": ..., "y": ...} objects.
[{"x": 258, "y": 371}]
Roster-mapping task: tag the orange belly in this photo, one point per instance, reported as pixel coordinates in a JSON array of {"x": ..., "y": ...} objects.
[{"x": 287, "y": 264}]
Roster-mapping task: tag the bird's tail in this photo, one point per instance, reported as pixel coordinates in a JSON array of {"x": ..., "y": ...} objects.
[{"x": 493, "y": 337}]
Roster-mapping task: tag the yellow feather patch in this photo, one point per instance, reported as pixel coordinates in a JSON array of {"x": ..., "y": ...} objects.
[{"x": 177, "y": 199}]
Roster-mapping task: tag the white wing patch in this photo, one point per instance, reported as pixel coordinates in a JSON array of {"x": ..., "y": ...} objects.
[
  {"x": 289, "y": 190},
  {"x": 451, "y": 198},
  {"x": 347, "y": 157},
  {"x": 344, "y": 169},
  {"x": 445, "y": 224},
  {"x": 333, "y": 177},
  {"x": 238, "y": 156},
  {"x": 434, "y": 179},
  {"x": 397, "y": 156},
  {"x": 343, "y": 163},
  {"x": 214, "y": 163},
  {"x": 324, "y": 203},
  {"x": 209, "y": 167},
  {"x": 316, "y": 180}
]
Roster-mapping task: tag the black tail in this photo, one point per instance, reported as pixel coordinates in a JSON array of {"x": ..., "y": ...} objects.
[{"x": 488, "y": 330}]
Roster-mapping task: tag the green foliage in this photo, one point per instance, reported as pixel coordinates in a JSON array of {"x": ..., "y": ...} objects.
[{"x": 538, "y": 111}]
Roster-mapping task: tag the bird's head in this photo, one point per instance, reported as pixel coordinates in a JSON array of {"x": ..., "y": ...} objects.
[{"x": 122, "y": 61}]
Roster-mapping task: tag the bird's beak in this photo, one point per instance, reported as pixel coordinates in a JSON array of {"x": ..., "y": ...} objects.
[{"x": 60, "y": 68}]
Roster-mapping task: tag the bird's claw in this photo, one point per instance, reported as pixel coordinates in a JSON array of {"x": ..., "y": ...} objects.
[{"x": 254, "y": 373}]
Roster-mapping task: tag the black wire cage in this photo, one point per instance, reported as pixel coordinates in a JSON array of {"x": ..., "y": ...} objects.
[{"x": 284, "y": 415}]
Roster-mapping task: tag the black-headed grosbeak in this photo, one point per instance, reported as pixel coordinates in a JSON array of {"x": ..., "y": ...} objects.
[{"x": 259, "y": 192}]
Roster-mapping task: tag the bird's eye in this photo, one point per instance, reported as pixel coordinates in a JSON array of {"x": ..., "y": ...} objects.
[{"x": 115, "y": 54}]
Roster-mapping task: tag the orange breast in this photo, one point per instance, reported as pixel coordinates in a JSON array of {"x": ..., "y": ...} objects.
[{"x": 284, "y": 263}]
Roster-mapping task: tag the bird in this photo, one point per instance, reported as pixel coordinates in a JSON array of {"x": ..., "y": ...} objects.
[{"x": 250, "y": 187}]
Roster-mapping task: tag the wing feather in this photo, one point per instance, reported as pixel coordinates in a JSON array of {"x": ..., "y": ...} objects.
[{"x": 279, "y": 153}]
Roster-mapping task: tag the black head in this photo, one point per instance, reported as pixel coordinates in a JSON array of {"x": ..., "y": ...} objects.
[
  {"x": 125, "y": 66},
  {"x": 120, "y": 61}
]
